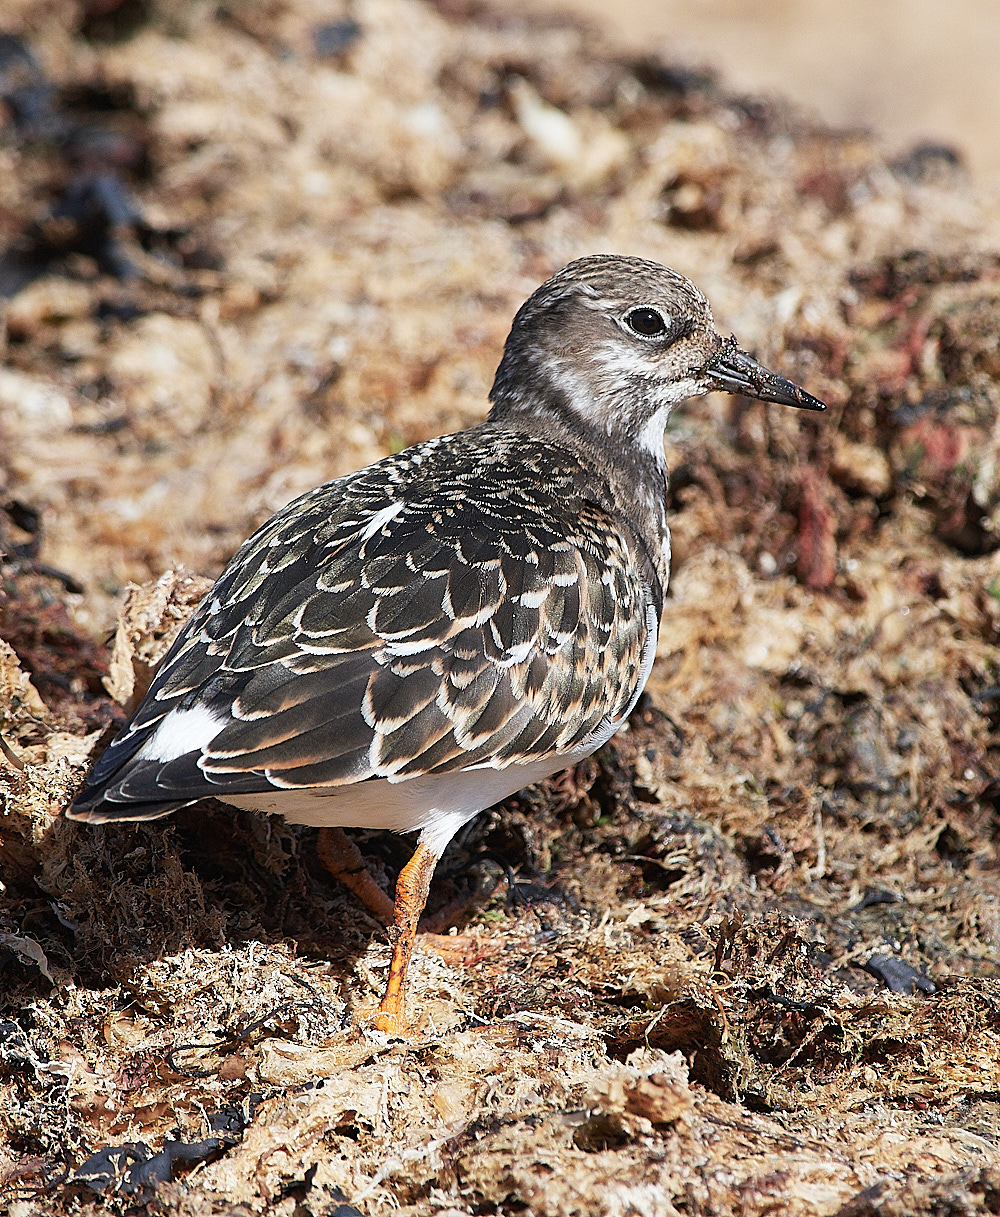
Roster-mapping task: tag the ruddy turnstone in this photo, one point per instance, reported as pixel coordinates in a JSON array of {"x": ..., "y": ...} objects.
[{"x": 405, "y": 646}]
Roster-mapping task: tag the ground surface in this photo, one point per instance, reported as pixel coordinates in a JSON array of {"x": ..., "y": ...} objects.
[
  {"x": 905, "y": 70},
  {"x": 749, "y": 962}
]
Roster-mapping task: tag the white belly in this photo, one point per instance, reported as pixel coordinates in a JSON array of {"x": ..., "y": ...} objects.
[
  {"x": 434, "y": 804},
  {"x": 437, "y": 804}
]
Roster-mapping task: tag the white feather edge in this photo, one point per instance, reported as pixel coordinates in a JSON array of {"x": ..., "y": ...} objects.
[{"x": 436, "y": 804}]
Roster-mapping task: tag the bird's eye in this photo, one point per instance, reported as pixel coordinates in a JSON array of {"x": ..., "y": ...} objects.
[{"x": 647, "y": 322}]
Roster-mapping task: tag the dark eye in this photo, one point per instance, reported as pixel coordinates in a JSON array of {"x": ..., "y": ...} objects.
[{"x": 646, "y": 321}]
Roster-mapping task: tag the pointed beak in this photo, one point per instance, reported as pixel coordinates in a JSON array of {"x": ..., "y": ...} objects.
[{"x": 733, "y": 371}]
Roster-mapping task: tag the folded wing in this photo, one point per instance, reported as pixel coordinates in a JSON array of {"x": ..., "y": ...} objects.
[{"x": 373, "y": 630}]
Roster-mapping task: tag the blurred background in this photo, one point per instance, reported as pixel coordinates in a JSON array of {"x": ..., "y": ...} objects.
[
  {"x": 249, "y": 245},
  {"x": 908, "y": 70}
]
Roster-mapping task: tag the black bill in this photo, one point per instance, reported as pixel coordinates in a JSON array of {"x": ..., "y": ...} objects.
[{"x": 733, "y": 371}]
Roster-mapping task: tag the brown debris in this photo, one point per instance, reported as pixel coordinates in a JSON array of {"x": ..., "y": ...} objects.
[
  {"x": 679, "y": 996},
  {"x": 817, "y": 561},
  {"x": 150, "y": 619}
]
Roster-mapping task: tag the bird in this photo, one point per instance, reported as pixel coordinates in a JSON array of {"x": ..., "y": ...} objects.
[{"x": 408, "y": 645}]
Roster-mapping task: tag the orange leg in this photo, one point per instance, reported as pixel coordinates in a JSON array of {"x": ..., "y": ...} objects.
[
  {"x": 411, "y": 895},
  {"x": 343, "y": 860}
]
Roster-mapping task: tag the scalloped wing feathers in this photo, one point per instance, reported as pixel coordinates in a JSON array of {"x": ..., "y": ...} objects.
[{"x": 461, "y": 604}]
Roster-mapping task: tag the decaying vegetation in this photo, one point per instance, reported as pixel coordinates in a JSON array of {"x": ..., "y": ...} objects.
[{"x": 744, "y": 960}]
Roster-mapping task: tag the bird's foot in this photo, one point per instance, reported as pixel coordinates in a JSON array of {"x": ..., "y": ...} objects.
[
  {"x": 454, "y": 949},
  {"x": 460, "y": 909},
  {"x": 390, "y": 1022}
]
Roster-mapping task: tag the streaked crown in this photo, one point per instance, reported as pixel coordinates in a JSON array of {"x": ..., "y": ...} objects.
[{"x": 612, "y": 344}]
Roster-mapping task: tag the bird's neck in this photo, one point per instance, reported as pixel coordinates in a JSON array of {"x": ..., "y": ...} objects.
[{"x": 629, "y": 467}]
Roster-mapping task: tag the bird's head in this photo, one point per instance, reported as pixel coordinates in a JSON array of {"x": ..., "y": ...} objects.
[{"x": 613, "y": 344}]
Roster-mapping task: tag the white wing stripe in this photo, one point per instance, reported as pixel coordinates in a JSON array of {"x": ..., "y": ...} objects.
[{"x": 181, "y": 732}]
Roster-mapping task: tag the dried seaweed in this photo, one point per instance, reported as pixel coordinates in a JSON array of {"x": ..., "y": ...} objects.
[{"x": 745, "y": 958}]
